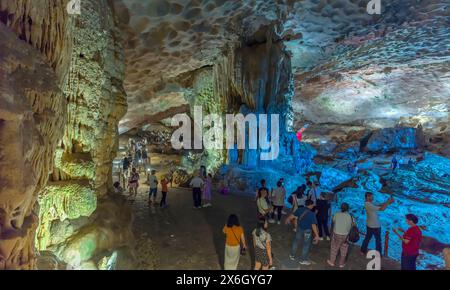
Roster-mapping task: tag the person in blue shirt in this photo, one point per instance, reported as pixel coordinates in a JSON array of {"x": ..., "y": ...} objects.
[{"x": 306, "y": 229}]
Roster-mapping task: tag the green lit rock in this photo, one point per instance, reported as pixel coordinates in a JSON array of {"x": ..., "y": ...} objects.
[
  {"x": 77, "y": 166},
  {"x": 67, "y": 201}
]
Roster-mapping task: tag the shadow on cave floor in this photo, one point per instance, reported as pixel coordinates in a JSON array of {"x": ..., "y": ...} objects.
[{"x": 188, "y": 239}]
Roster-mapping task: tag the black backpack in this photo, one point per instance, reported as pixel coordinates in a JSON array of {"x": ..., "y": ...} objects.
[
  {"x": 291, "y": 199},
  {"x": 354, "y": 236}
]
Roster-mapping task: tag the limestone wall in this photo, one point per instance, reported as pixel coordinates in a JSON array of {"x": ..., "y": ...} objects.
[{"x": 61, "y": 98}]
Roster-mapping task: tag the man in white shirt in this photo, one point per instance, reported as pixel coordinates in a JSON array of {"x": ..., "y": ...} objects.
[
  {"x": 373, "y": 222},
  {"x": 314, "y": 192},
  {"x": 152, "y": 181},
  {"x": 197, "y": 184}
]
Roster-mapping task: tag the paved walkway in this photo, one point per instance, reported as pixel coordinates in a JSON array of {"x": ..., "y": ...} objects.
[{"x": 188, "y": 239}]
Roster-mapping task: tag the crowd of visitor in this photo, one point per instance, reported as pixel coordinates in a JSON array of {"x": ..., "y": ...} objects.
[
  {"x": 313, "y": 222},
  {"x": 310, "y": 216}
]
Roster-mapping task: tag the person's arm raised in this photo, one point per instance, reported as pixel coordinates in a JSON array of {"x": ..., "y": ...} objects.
[{"x": 383, "y": 206}]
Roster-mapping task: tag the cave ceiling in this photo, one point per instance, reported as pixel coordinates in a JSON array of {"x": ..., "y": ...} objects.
[{"x": 349, "y": 66}]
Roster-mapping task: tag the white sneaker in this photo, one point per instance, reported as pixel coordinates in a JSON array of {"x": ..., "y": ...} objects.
[
  {"x": 328, "y": 239},
  {"x": 320, "y": 239},
  {"x": 292, "y": 257},
  {"x": 271, "y": 221},
  {"x": 278, "y": 223},
  {"x": 305, "y": 263}
]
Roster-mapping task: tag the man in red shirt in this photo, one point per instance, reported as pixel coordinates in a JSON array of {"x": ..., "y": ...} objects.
[
  {"x": 411, "y": 241},
  {"x": 300, "y": 132}
]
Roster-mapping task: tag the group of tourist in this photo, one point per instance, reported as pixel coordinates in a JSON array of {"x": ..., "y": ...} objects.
[
  {"x": 202, "y": 189},
  {"x": 311, "y": 216}
]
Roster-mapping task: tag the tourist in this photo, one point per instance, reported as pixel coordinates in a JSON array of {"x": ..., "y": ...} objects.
[
  {"x": 263, "y": 186},
  {"x": 203, "y": 172},
  {"x": 197, "y": 184},
  {"x": 137, "y": 156},
  {"x": 117, "y": 188},
  {"x": 224, "y": 189},
  {"x": 126, "y": 163},
  {"x": 300, "y": 132},
  {"x": 170, "y": 175},
  {"x": 373, "y": 222},
  {"x": 342, "y": 224},
  {"x": 164, "y": 191},
  {"x": 263, "y": 207},
  {"x": 278, "y": 199},
  {"x": 355, "y": 168},
  {"x": 152, "y": 181},
  {"x": 133, "y": 183},
  {"x": 350, "y": 167},
  {"x": 313, "y": 193},
  {"x": 298, "y": 200},
  {"x": 235, "y": 242},
  {"x": 323, "y": 209},
  {"x": 207, "y": 191},
  {"x": 144, "y": 157},
  {"x": 446, "y": 253},
  {"x": 394, "y": 163},
  {"x": 306, "y": 228},
  {"x": 299, "y": 197},
  {"x": 411, "y": 241},
  {"x": 262, "y": 242}
]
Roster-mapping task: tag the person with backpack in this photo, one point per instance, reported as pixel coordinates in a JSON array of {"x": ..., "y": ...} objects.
[
  {"x": 323, "y": 211},
  {"x": 152, "y": 181},
  {"x": 306, "y": 229},
  {"x": 342, "y": 225},
  {"x": 262, "y": 242},
  {"x": 373, "y": 222},
  {"x": 297, "y": 199},
  {"x": 411, "y": 240},
  {"x": 235, "y": 244},
  {"x": 278, "y": 199}
]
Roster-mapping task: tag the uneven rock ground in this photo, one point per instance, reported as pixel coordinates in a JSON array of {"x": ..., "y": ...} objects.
[{"x": 186, "y": 239}]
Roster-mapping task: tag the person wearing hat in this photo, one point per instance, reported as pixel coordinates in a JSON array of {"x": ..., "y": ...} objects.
[{"x": 411, "y": 240}]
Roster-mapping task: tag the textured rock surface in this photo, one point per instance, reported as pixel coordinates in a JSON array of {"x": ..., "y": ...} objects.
[
  {"x": 349, "y": 66},
  {"x": 392, "y": 139},
  {"x": 63, "y": 94},
  {"x": 32, "y": 113}
]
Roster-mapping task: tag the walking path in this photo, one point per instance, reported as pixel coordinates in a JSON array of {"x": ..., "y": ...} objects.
[{"x": 188, "y": 239}]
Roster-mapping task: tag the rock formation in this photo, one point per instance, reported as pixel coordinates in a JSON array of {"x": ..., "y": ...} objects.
[{"x": 63, "y": 93}]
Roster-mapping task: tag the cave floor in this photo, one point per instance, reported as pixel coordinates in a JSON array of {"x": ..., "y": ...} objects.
[{"x": 187, "y": 239}]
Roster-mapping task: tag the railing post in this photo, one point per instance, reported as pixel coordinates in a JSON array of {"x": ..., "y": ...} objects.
[{"x": 386, "y": 243}]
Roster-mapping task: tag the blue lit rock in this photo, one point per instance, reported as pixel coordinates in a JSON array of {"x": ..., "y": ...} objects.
[
  {"x": 331, "y": 177},
  {"x": 393, "y": 139}
]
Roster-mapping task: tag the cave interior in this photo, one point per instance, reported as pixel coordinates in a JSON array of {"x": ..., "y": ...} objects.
[{"x": 77, "y": 86}]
